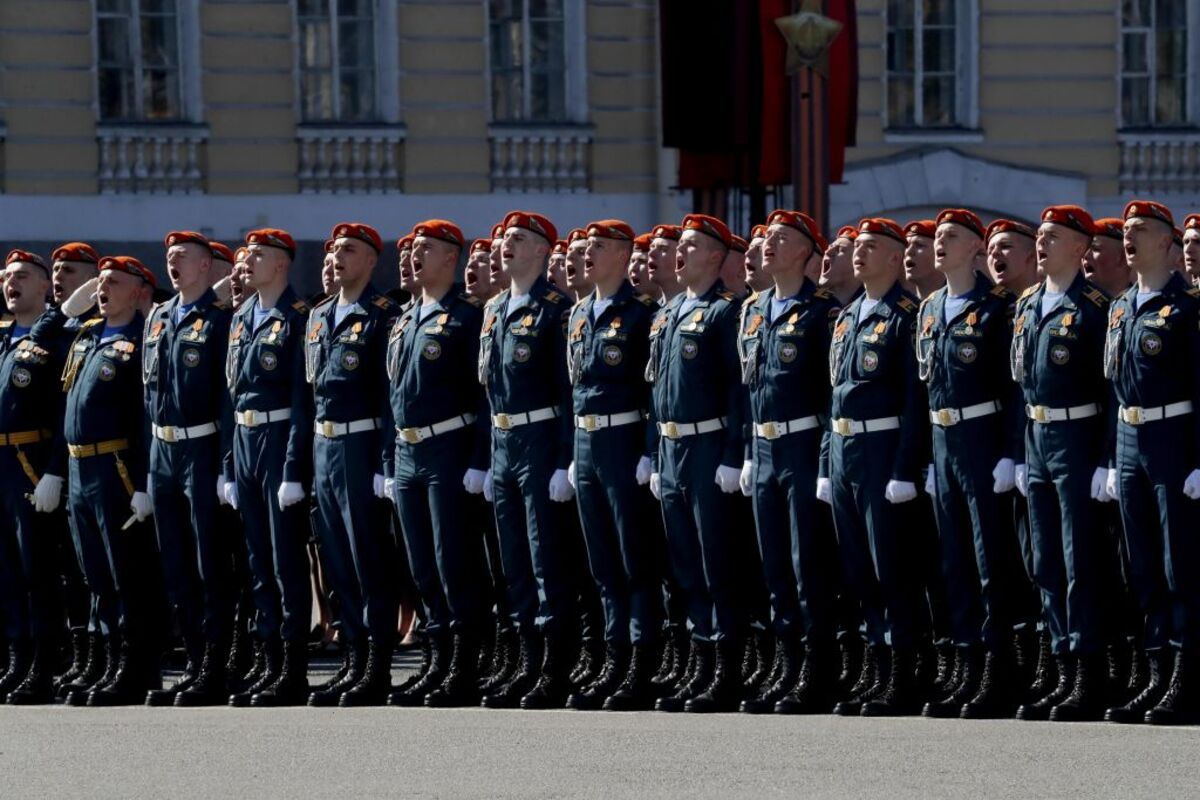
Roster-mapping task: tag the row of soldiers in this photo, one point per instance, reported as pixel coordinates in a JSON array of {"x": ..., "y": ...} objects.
[{"x": 879, "y": 484}]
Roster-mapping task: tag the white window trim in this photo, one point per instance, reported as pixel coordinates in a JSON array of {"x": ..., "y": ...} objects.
[
  {"x": 191, "y": 97},
  {"x": 574, "y": 61},
  {"x": 387, "y": 68},
  {"x": 1192, "y": 99},
  {"x": 966, "y": 86}
]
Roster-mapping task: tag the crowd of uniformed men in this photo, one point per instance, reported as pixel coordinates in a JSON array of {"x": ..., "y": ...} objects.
[{"x": 937, "y": 468}]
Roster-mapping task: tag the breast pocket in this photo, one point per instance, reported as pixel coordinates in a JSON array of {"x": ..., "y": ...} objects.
[{"x": 150, "y": 356}]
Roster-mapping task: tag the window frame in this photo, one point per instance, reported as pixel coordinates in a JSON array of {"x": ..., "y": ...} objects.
[
  {"x": 966, "y": 70},
  {"x": 575, "y": 106},
  {"x": 386, "y": 68},
  {"x": 1191, "y": 97}
]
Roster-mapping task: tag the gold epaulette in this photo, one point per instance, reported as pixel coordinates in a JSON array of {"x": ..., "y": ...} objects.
[
  {"x": 1096, "y": 295},
  {"x": 906, "y": 304},
  {"x": 470, "y": 298},
  {"x": 1193, "y": 291},
  {"x": 91, "y": 323},
  {"x": 325, "y": 302},
  {"x": 645, "y": 299},
  {"x": 725, "y": 294},
  {"x": 300, "y": 307},
  {"x": 384, "y": 302},
  {"x": 822, "y": 294},
  {"x": 1030, "y": 291},
  {"x": 999, "y": 290},
  {"x": 752, "y": 297},
  {"x": 554, "y": 297}
]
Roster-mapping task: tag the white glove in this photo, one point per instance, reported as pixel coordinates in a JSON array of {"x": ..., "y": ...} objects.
[
  {"x": 473, "y": 481},
  {"x": 222, "y": 498},
  {"x": 727, "y": 478},
  {"x": 81, "y": 299},
  {"x": 930, "y": 482},
  {"x": 1110, "y": 485},
  {"x": 488, "y": 487},
  {"x": 289, "y": 494},
  {"x": 1021, "y": 478},
  {"x": 644, "y": 470},
  {"x": 1099, "y": 479},
  {"x": 389, "y": 490},
  {"x": 141, "y": 506},
  {"x": 656, "y": 485},
  {"x": 745, "y": 480},
  {"x": 1005, "y": 475},
  {"x": 899, "y": 491},
  {"x": 560, "y": 487},
  {"x": 230, "y": 492},
  {"x": 571, "y": 475},
  {"x": 47, "y": 493},
  {"x": 1191, "y": 486},
  {"x": 377, "y": 486},
  {"x": 825, "y": 490}
]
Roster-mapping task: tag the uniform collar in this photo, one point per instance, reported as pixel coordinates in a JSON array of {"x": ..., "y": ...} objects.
[
  {"x": 1175, "y": 285},
  {"x": 884, "y": 308},
  {"x": 622, "y": 296},
  {"x": 278, "y": 311}
]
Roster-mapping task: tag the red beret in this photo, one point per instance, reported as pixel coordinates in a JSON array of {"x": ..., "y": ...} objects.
[
  {"x": 758, "y": 232},
  {"x": 498, "y": 230},
  {"x": 738, "y": 244},
  {"x": 27, "y": 257},
  {"x": 439, "y": 229},
  {"x": 847, "y": 232},
  {"x": 329, "y": 245},
  {"x": 1072, "y": 217},
  {"x": 921, "y": 227},
  {"x": 963, "y": 217},
  {"x": 187, "y": 237},
  {"x": 1150, "y": 210},
  {"x": 240, "y": 254},
  {"x": 484, "y": 245},
  {"x": 357, "y": 230},
  {"x": 641, "y": 244},
  {"x": 129, "y": 265},
  {"x": 532, "y": 222},
  {"x": 611, "y": 229},
  {"x": 671, "y": 232},
  {"x": 280, "y": 239},
  {"x": 798, "y": 220},
  {"x": 1177, "y": 236},
  {"x": 221, "y": 252},
  {"x": 1111, "y": 227},
  {"x": 574, "y": 235},
  {"x": 560, "y": 247},
  {"x": 821, "y": 243},
  {"x": 76, "y": 251},
  {"x": 1012, "y": 226},
  {"x": 709, "y": 226},
  {"x": 882, "y": 227},
  {"x": 1191, "y": 222},
  {"x": 405, "y": 242}
]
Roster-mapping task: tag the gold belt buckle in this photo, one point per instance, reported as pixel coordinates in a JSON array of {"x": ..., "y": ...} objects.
[
  {"x": 945, "y": 417},
  {"x": 327, "y": 429},
  {"x": 843, "y": 427},
  {"x": 589, "y": 422},
  {"x": 670, "y": 430},
  {"x": 1040, "y": 414},
  {"x": 1133, "y": 415},
  {"x": 503, "y": 422},
  {"x": 410, "y": 435},
  {"x": 248, "y": 419},
  {"x": 167, "y": 433},
  {"x": 769, "y": 431}
]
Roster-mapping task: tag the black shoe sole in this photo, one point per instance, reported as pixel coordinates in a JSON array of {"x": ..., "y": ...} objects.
[
  {"x": 941, "y": 711},
  {"x": 1075, "y": 714},
  {"x": 185, "y": 700}
]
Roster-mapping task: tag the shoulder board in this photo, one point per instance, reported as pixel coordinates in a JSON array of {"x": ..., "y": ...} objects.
[
  {"x": 906, "y": 304},
  {"x": 645, "y": 299},
  {"x": 1193, "y": 292},
  {"x": 91, "y": 323},
  {"x": 725, "y": 294},
  {"x": 222, "y": 305},
  {"x": 470, "y": 299},
  {"x": 492, "y": 301},
  {"x": 553, "y": 296},
  {"x": 300, "y": 307},
  {"x": 326, "y": 301},
  {"x": 384, "y": 302},
  {"x": 1000, "y": 291},
  {"x": 823, "y": 294},
  {"x": 753, "y": 296},
  {"x": 1096, "y": 296},
  {"x": 1030, "y": 291},
  {"x": 6, "y": 323}
]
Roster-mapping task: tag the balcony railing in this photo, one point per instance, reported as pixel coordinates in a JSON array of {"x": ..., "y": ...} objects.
[
  {"x": 541, "y": 159},
  {"x": 151, "y": 159},
  {"x": 1160, "y": 162},
  {"x": 349, "y": 159}
]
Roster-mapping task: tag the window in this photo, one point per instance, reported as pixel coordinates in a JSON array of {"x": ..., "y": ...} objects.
[
  {"x": 337, "y": 60},
  {"x": 138, "y": 64},
  {"x": 1154, "y": 63},
  {"x": 930, "y": 64},
  {"x": 529, "y": 60}
]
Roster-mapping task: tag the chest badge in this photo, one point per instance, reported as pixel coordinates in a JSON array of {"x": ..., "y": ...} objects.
[
  {"x": 191, "y": 357},
  {"x": 870, "y": 361},
  {"x": 107, "y": 371},
  {"x": 355, "y": 330},
  {"x": 612, "y": 355},
  {"x": 521, "y": 352},
  {"x": 787, "y": 352},
  {"x": 972, "y": 321},
  {"x": 967, "y": 352},
  {"x": 1060, "y": 354},
  {"x": 689, "y": 349},
  {"x": 350, "y": 360},
  {"x": 268, "y": 360},
  {"x": 276, "y": 327},
  {"x": 431, "y": 351},
  {"x": 21, "y": 377},
  {"x": 194, "y": 334},
  {"x": 1152, "y": 344},
  {"x": 696, "y": 319}
]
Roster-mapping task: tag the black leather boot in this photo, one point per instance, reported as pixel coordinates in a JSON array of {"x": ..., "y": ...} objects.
[
  {"x": 553, "y": 685},
  {"x": 1039, "y": 709},
  {"x": 945, "y": 669},
  {"x": 93, "y": 668},
  {"x": 1139, "y": 675},
  {"x": 245, "y": 663},
  {"x": 269, "y": 663},
  {"x": 461, "y": 684},
  {"x": 852, "y": 652},
  {"x": 504, "y": 663},
  {"x": 589, "y": 663},
  {"x": 137, "y": 673},
  {"x": 20, "y": 657},
  {"x": 440, "y": 655},
  {"x": 970, "y": 669},
  {"x": 195, "y": 656},
  {"x": 1088, "y": 695},
  {"x": 636, "y": 692},
  {"x": 670, "y": 652},
  {"x": 80, "y": 647},
  {"x": 681, "y": 646},
  {"x": 700, "y": 678},
  {"x": 375, "y": 686},
  {"x": 211, "y": 687},
  {"x": 37, "y": 687},
  {"x": 592, "y": 697},
  {"x": 1158, "y": 675},
  {"x": 112, "y": 662},
  {"x": 787, "y": 648},
  {"x": 1025, "y": 655},
  {"x": 1045, "y": 674},
  {"x": 816, "y": 686},
  {"x": 766, "y": 645},
  {"x": 291, "y": 687},
  {"x": 998, "y": 695},
  {"x": 487, "y": 650},
  {"x": 901, "y": 697},
  {"x": 877, "y": 664},
  {"x": 525, "y": 675},
  {"x": 422, "y": 668},
  {"x": 1117, "y": 657},
  {"x": 350, "y": 674},
  {"x": 724, "y": 692},
  {"x": 1178, "y": 705}
]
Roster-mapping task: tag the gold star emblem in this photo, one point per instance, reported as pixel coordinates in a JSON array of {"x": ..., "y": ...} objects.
[{"x": 809, "y": 34}]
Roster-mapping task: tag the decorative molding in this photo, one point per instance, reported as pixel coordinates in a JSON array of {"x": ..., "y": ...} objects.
[
  {"x": 151, "y": 159},
  {"x": 541, "y": 158},
  {"x": 351, "y": 158}
]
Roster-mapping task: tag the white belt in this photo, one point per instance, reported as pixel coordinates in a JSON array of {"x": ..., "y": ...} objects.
[
  {"x": 252, "y": 419},
  {"x": 417, "y": 435},
  {"x": 678, "y": 430},
  {"x": 596, "y": 422},
  {"x": 851, "y": 427},
  {"x": 332, "y": 430},
  {"x": 171, "y": 433},
  {"x": 1136, "y": 415},
  {"x": 506, "y": 422},
  {"x": 945, "y": 417},
  {"x": 1044, "y": 414},
  {"x": 773, "y": 430}
]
